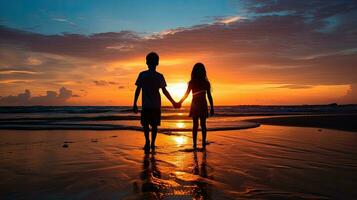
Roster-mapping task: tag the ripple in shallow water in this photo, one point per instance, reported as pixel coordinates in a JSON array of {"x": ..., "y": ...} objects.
[{"x": 167, "y": 126}]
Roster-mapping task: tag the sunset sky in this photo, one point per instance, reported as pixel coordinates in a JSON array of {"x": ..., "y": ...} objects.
[{"x": 88, "y": 52}]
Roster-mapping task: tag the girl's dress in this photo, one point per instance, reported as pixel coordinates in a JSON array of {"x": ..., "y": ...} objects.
[{"x": 199, "y": 103}]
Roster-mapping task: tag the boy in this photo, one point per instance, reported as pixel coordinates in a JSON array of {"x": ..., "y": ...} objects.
[{"x": 150, "y": 81}]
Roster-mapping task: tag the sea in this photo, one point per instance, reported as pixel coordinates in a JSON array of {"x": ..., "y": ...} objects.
[{"x": 122, "y": 117}]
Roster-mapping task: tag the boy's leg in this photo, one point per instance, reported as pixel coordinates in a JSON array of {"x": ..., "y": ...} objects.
[
  {"x": 194, "y": 131},
  {"x": 204, "y": 131},
  {"x": 154, "y": 122},
  {"x": 146, "y": 134},
  {"x": 153, "y": 136}
]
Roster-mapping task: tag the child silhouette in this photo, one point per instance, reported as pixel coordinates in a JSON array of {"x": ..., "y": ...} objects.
[
  {"x": 150, "y": 82},
  {"x": 200, "y": 86}
]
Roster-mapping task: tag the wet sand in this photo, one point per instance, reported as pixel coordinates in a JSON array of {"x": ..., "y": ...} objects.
[
  {"x": 344, "y": 122},
  {"x": 268, "y": 162}
]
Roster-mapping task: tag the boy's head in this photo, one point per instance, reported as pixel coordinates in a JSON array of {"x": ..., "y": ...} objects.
[{"x": 152, "y": 60}]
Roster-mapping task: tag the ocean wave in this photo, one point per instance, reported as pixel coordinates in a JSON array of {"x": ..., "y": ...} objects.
[
  {"x": 220, "y": 109},
  {"x": 165, "y": 116},
  {"x": 80, "y": 126}
]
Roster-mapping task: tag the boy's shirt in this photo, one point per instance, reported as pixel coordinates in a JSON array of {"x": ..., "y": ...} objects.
[{"x": 151, "y": 82}]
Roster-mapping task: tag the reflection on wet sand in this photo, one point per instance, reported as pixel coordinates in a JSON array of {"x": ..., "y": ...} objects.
[
  {"x": 202, "y": 188},
  {"x": 149, "y": 174},
  {"x": 269, "y": 162},
  {"x": 166, "y": 184}
]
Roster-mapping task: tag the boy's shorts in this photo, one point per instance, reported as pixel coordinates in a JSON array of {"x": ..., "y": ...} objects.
[{"x": 150, "y": 117}]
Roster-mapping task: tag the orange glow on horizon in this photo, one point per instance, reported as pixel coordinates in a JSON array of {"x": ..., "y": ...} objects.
[
  {"x": 223, "y": 94},
  {"x": 228, "y": 88}
]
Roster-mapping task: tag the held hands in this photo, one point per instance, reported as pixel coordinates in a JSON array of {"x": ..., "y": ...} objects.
[{"x": 177, "y": 104}]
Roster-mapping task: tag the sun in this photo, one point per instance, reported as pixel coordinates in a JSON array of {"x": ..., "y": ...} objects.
[{"x": 177, "y": 90}]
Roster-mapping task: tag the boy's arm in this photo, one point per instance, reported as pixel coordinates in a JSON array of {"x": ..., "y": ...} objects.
[
  {"x": 168, "y": 96},
  {"x": 210, "y": 99},
  {"x": 136, "y": 96}
]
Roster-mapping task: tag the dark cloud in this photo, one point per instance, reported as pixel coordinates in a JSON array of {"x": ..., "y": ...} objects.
[
  {"x": 104, "y": 83},
  {"x": 25, "y": 99},
  {"x": 92, "y": 47},
  {"x": 317, "y": 9},
  {"x": 272, "y": 35}
]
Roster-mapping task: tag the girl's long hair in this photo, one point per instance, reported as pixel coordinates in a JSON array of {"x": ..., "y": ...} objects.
[{"x": 199, "y": 75}]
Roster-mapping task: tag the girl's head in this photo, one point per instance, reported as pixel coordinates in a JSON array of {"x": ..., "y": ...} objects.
[
  {"x": 199, "y": 76},
  {"x": 199, "y": 72}
]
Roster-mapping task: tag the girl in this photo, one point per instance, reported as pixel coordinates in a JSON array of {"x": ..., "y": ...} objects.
[{"x": 199, "y": 85}]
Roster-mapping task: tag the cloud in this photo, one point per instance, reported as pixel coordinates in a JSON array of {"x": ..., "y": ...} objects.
[
  {"x": 18, "y": 72},
  {"x": 351, "y": 96},
  {"x": 292, "y": 86},
  {"x": 122, "y": 47},
  {"x": 230, "y": 19},
  {"x": 314, "y": 9},
  {"x": 51, "y": 98},
  {"x": 33, "y": 61},
  {"x": 93, "y": 47},
  {"x": 65, "y": 21},
  {"x": 104, "y": 83}
]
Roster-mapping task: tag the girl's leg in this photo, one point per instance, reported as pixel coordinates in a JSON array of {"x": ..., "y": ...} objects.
[
  {"x": 194, "y": 131},
  {"x": 204, "y": 131}
]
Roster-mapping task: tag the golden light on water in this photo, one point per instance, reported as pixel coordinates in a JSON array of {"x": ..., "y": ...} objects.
[
  {"x": 180, "y": 140},
  {"x": 180, "y": 125}
]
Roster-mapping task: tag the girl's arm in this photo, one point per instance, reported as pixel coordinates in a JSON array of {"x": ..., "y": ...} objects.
[
  {"x": 210, "y": 99},
  {"x": 186, "y": 94}
]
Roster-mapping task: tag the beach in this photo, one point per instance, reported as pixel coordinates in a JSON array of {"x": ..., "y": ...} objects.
[
  {"x": 344, "y": 122},
  {"x": 268, "y": 162},
  {"x": 177, "y": 100}
]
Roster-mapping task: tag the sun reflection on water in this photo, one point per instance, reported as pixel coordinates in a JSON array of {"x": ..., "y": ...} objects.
[
  {"x": 180, "y": 140},
  {"x": 180, "y": 125}
]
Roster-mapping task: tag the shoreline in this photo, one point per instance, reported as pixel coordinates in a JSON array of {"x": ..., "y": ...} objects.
[
  {"x": 343, "y": 122},
  {"x": 111, "y": 127}
]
